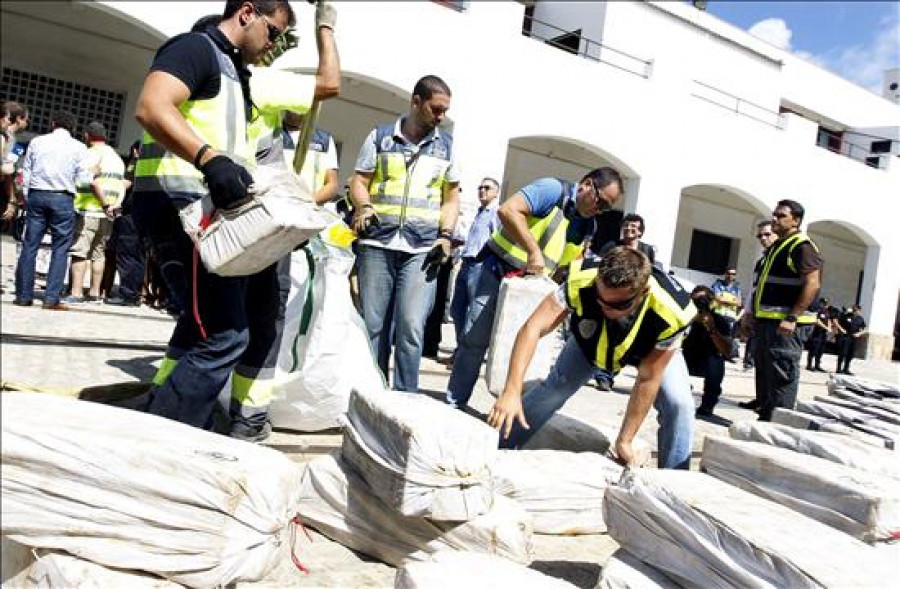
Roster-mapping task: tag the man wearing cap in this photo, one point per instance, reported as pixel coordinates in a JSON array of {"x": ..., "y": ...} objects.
[{"x": 95, "y": 204}]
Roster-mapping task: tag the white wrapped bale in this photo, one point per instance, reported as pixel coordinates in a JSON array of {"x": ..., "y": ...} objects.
[
  {"x": 829, "y": 446},
  {"x": 891, "y": 406},
  {"x": 134, "y": 491},
  {"x": 323, "y": 336},
  {"x": 250, "y": 238},
  {"x": 516, "y": 301},
  {"x": 624, "y": 570},
  {"x": 703, "y": 532},
  {"x": 58, "y": 570},
  {"x": 805, "y": 421},
  {"x": 339, "y": 504},
  {"x": 885, "y": 415},
  {"x": 864, "y": 386},
  {"x": 453, "y": 570},
  {"x": 862, "y": 504},
  {"x": 421, "y": 456},
  {"x": 564, "y": 432},
  {"x": 563, "y": 491}
]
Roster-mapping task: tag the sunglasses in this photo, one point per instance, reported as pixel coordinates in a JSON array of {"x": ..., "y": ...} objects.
[
  {"x": 484, "y": 187},
  {"x": 274, "y": 32},
  {"x": 618, "y": 305},
  {"x": 602, "y": 205}
]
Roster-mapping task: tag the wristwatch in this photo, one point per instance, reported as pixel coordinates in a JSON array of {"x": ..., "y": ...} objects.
[{"x": 790, "y": 318}]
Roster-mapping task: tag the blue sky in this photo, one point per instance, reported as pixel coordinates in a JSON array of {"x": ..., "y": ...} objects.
[{"x": 857, "y": 40}]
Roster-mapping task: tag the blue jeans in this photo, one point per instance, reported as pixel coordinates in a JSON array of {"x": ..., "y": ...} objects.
[
  {"x": 674, "y": 404},
  {"x": 46, "y": 210},
  {"x": 464, "y": 294},
  {"x": 712, "y": 369},
  {"x": 476, "y": 335},
  {"x": 397, "y": 294}
]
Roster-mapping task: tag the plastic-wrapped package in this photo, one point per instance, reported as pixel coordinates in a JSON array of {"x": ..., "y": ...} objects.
[{"x": 452, "y": 570}]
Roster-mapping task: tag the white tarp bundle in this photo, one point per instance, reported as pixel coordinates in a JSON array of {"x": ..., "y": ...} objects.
[
  {"x": 135, "y": 491},
  {"x": 564, "y": 432},
  {"x": 703, "y": 532},
  {"x": 624, "y": 570},
  {"x": 889, "y": 416},
  {"x": 456, "y": 570},
  {"x": 516, "y": 301},
  {"x": 858, "y": 420},
  {"x": 805, "y": 421},
  {"x": 421, "y": 456},
  {"x": 563, "y": 491},
  {"x": 338, "y": 503},
  {"x": 891, "y": 406},
  {"x": 58, "y": 570},
  {"x": 249, "y": 238},
  {"x": 863, "y": 504},
  {"x": 864, "y": 386},
  {"x": 325, "y": 351},
  {"x": 830, "y": 446}
]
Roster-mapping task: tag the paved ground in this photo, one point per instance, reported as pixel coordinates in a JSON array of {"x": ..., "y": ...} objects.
[{"x": 99, "y": 344}]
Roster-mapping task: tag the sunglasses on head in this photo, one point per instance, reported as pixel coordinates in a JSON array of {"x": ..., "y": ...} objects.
[{"x": 274, "y": 32}]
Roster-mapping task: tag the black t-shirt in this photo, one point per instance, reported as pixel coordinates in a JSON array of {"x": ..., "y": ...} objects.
[
  {"x": 698, "y": 344},
  {"x": 190, "y": 58},
  {"x": 852, "y": 323},
  {"x": 645, "y": 248}
]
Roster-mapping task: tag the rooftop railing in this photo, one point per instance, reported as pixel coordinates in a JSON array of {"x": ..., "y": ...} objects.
[
  {"x": 577, "y": 44},
  {"x": 736, "y": 104}
]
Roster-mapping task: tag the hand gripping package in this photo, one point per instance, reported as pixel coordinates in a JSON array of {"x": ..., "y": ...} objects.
[{"x": 253, "y": 236}]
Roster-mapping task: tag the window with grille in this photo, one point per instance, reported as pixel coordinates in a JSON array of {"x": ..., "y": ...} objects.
[{"x": 42, "y": 95}]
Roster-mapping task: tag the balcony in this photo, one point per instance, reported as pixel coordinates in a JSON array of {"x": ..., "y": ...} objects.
[
  {"x": 576, "y": 43},
  {"x": 736, "y": 104}
]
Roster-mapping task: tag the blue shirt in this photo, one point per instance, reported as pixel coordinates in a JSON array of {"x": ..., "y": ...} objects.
[
  {"x": 55, "y": 161},
  {"x": 483, "y": 226},
  {"x": 546, "y": 193}
]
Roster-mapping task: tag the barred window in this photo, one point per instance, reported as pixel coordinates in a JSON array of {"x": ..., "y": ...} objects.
[{"x": 42, "y": 95}]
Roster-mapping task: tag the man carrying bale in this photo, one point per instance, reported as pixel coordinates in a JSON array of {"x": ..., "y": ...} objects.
[{"x": 624, "y": 311}]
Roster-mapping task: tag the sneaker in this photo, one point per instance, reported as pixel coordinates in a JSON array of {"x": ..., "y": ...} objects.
[
  {"x": 250, "y": 433},
  {"x": 73, "y": 300},
  {"x": 22, "y": 303},
  {"x": 752, "y": 405},
  {"x": 120, "y": 302},
  {"x": 91, "y": 299},
  {"x": 604, "y": 385}
]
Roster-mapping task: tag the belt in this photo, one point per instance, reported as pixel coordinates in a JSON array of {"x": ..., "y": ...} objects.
[{"x": 66, "y": 192}]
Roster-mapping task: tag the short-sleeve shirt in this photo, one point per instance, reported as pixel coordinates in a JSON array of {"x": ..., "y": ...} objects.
[
  {"x": 852, "y": 323},
  {"x": 544, "y": 194},
  {"x": 806, "y": 258},
  {"x": 190, "y": 58}
]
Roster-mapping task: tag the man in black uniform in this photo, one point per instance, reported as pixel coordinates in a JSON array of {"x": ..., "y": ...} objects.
[
  {"x": 706, "y": 346},
  {"x": 194, "y": 106},
  {"x": 821, "y": 328},
  {"x": 852, "y": 327}
]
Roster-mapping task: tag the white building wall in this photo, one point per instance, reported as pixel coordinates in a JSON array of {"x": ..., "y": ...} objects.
[{"x": 506, "y": 86}]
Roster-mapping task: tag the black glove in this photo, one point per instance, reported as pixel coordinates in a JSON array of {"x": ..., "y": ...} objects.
[
  {"x": 439, "y": 254},
  {"x": 227, "y": 182}
]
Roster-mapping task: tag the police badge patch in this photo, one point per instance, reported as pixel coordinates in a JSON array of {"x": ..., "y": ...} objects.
[{"x": 586, "y": 328}]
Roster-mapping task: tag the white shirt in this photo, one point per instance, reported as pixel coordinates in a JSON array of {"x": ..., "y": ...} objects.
[{"x": 55, "y": 161}]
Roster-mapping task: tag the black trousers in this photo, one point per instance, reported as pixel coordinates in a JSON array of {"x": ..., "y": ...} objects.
[
  {"x": 777, "y": 366},
  {"x": 433, "y": 324},
  {"x": 131, "y": 258},
  {"x": 846, "y": 348},
  {"x": 816, "y": 350}
]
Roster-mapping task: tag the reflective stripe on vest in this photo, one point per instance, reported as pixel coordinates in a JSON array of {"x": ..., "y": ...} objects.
[
  {"x": 409, "y": 193},
  {"x": 111, "y": 180},
  {"x": 659, "y": 302},
  {"x": 767, "y": 305},
  {"x": 550, "y": 234},
  {"x": 219, "y": 121}
]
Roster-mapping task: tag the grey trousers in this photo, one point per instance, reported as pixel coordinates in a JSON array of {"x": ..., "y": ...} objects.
[{"x": 777, "y": 366}]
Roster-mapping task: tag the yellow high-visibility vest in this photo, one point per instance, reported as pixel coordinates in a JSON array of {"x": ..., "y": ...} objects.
[
  {"x": 111, "y": 178},
  {"x": 779, "y": 283}
]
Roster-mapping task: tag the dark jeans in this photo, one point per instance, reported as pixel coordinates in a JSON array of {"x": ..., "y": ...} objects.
[
  {"x": 815, "y": 352},
  {"x": 131, "y": 258},
  {"x": 205, "y": 358},
  {"x": 749, "y": 351},
  {"x": 846, "y": 349},
  {"x": 712, "y": 369},
  {"x": 777, "y": 366},
  {"x": 46, "y": 210}
]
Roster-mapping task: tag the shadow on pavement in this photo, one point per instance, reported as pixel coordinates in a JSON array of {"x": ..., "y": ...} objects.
[
  {"x": 141, "y": 368},
  {"x": 41, "y": 340}
]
